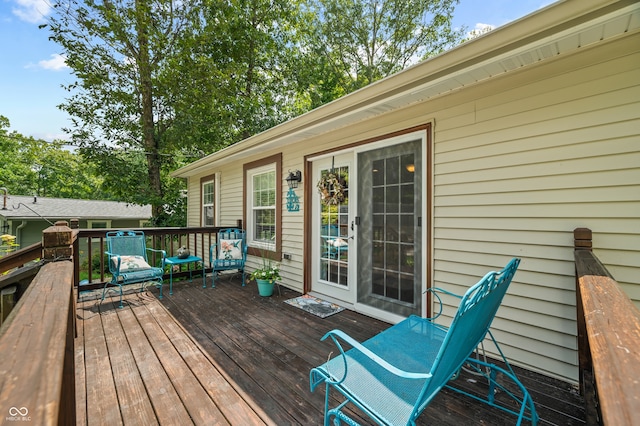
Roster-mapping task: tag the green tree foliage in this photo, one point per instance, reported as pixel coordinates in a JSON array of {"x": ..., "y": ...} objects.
[
  {"x": 356, "y": 42},
  {"x": 121, "y": 107},
  {"x": 160, "y": 83},
  {"x": 237, "y": 72},
  {"x": 46, "y": 169}
]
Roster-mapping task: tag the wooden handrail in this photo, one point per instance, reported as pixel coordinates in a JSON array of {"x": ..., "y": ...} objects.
[
  {"x": 20, "y": 257},
  {"x": 37, "y": 342},
  {"x": 608, "y": 340}
]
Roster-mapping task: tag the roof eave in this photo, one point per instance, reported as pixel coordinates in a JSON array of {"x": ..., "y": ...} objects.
[{"x": 531, "y": 29}]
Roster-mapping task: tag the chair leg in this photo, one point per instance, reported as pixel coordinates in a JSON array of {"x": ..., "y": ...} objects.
[
  {"x": 214, "y": 274},
  {"x": 120, "y": 298},
  {"x": 244, "y": 278}
]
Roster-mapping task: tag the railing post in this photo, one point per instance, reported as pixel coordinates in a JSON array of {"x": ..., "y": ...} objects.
[
  {"x": 582, "y": 238},
  {"x": 57, "y": 242},
  {"x": 75, "y": 224}
]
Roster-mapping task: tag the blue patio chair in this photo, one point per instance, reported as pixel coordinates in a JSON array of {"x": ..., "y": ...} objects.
[
  {"x": 228, "y": 253},
  {"x": 393, "y": 376},
  {"x": 128, "y": 262}
]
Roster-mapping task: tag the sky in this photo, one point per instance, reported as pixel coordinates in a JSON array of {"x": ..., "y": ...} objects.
[{"x": 32, "y": 69}]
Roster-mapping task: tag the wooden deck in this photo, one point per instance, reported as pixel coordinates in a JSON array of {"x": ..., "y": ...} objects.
[
  {"x": 138, "y": 366},
  {"x": 225, "y": 355}
]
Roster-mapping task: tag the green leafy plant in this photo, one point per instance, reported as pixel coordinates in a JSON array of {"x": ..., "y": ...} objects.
[
  {"x": 8, "y": 244},
  {"x": 269, "y": 271}
]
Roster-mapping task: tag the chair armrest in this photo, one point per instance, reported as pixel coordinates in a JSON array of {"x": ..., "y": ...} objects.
[
  {"x": 435, "y": 291},
  {"x": 117, "y": 268},
  {"x": 162, "y": 252},
  {"x": 338, "y": 334}
]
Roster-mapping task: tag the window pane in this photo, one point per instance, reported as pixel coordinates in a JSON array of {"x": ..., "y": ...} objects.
[
  {"x": 264, "y": 189},
  {"x": 265, "y": 225},
  {"x": 207, "y": 193},
  {"x": 208, "y": 200},
  {"x": 263, "y": 207},
  {"x": 208, "y": 216}
]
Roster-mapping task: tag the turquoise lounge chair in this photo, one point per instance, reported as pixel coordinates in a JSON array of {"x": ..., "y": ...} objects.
[{"x": 393, "y": 376}]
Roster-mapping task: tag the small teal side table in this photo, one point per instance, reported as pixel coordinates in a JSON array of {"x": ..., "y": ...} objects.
[{"x": 177, "y": 261}]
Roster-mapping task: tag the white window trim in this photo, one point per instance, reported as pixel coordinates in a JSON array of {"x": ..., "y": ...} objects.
[
  {"x": 271, "y": 167},
  {"x": 216, "y": 200}
]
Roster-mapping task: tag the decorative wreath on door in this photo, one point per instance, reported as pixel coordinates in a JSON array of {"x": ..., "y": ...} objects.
[{"x": 332, "y": 188}]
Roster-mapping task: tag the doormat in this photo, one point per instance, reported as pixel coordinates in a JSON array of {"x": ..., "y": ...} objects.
[{"x": 315, "y": 306}]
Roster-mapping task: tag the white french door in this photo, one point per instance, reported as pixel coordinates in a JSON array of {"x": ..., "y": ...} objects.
[
  {"x": 367, "y": 250},
  {"x": 333, "y": 247}
]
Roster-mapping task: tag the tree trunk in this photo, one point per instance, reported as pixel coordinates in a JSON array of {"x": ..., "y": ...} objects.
[{"x": 146, "y": 92}]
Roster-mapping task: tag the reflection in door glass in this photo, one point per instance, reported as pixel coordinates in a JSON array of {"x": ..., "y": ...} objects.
[
  {"x": 389, "y": 206},
  {"x": 334, "y": 233},
  {"x": 393, "y": 228}
]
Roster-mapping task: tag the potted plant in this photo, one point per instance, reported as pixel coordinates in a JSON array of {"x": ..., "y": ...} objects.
[{"x": 266, "y": 277}]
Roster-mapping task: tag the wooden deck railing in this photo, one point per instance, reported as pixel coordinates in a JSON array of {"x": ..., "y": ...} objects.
[
  {"x": 37, "y": 343},
  {"x": 608, "y": 341},
  {"x": 20, "y": 257},
  {"x": 90, "y": 247},
  {"x": 89, "y": 261}
]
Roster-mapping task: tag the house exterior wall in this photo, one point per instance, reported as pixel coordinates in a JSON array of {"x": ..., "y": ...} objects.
[
  {"x": 521, "y": 164},
  {"x": 519, "y": 161},
  {"x": 31, "y": 232}
]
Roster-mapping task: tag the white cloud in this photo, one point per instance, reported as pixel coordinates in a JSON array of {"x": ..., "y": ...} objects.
[
  {"x": 480, "y": 29},
  {"x": 484, "y": 27},
  {"x": 56, "y": 63},
  {"x": 33, "y": 11}
]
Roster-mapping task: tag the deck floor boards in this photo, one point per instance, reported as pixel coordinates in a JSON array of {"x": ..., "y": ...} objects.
[
  {"x": 268, "y": 347},
  {"x": 225, "y": 355},
  {"x": 137, "y": 366}
]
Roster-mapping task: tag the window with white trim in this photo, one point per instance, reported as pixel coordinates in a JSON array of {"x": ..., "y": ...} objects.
[
  {"x": 208, "y": 188},
  {"x": 262, "y": 206}
]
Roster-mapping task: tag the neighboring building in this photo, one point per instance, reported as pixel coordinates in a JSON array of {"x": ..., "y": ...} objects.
[
  {"x": 27, "y": 217},
  {"x": 500, "y": 147}
]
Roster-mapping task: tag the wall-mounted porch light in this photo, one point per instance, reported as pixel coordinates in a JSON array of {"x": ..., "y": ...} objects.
[{"x": 294, "y": 178}]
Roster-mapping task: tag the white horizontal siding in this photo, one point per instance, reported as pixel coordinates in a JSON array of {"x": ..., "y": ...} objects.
[
  {"x": 292, "y": 270},
  {"x": 521, "y": 163},
  {"x": 231, "y": 187}
]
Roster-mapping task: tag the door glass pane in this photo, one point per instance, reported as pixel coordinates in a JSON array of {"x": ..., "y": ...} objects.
[
  {"x": 334, "y": 235},
  {"x": 389, "y": 238}
]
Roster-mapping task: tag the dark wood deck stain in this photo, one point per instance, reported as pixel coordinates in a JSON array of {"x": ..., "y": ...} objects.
[
  {"x": 268, "y": 348},
  {"x": 244, "y": 359}
]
